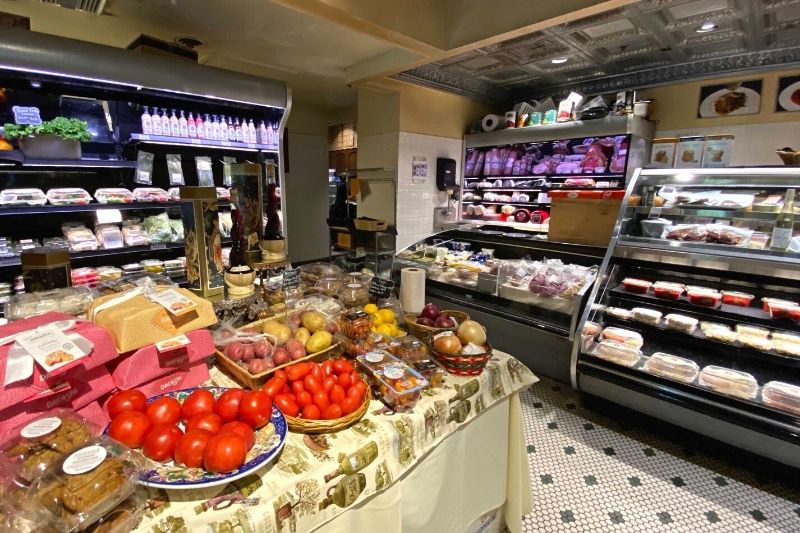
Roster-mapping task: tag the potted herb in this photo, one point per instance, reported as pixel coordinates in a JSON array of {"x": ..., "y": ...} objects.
[{"x": 59, "y": 138}]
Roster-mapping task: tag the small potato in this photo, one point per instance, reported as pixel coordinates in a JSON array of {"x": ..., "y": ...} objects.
[
  {"x": 235, "y": 351},
  {"x": 281, "y": 356},
  {"x": 256, "y": 366},
  {"x": 248, "y": 352},
  {"x": 302, "y": 334},
  {"x": 262, "y": 348}
]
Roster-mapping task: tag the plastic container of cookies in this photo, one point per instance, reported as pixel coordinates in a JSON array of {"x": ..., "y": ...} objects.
[{"x": 672, "y": 367}]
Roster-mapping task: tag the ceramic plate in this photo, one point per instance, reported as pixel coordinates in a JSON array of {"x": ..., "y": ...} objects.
[
  {"x": 751, "y": 103},
  {"x": 785, "y": 98},
  {"x": 269, "y": 442}
]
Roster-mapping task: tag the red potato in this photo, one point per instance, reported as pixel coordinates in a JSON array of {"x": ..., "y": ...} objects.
[
  {"x": 235, "y": 351},
  {"x": 262, "y": 349},
  {"x": 256, "y": 366},
  {"x": 296, "y": 349},
  {"x": 281, "y": 356},
  {"x": 248, "y": 352}
]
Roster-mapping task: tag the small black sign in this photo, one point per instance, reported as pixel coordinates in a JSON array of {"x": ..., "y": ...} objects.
[
  {"x": 291, "y": 279},
  {"x": 380, "y": 288}
]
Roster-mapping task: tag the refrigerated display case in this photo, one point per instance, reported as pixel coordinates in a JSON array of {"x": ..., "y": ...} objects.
[
  {"x": 695, "y": 318},
  {"x": 528, "y": 291}
]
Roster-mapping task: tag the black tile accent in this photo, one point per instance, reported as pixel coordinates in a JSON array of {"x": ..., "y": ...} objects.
[
  {"x": 721, "y": 481},
  {"x": 547, "y": 479},
  {"x": 712, "y": 517},
  {"x": 616, "y": 517},
  {"x": 531, "y": 448},
  {"x": 678, "y": 482},
  {"x": 569, "y": 450},
  {"x": 588, "y": 427},
  {"x": 552, "y": 425},
  {"x": 569, "y": 405},
  {"x": 635, "y": 481},
  {"x": 664, "y": 518},
  {"x": 567, "y": 516},
  {"x": 758, "y": 515},
  {"x": 609, "y": 451},
  {"x": 590, "y": 480},
  {"x": 537, "y": 405},
  {"x": 649, "y": 452}
]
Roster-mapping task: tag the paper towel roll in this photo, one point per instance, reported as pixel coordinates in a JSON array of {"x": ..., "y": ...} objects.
[
  {"x": 491, "y": 122},
  {"x": 412, "y": 289}
]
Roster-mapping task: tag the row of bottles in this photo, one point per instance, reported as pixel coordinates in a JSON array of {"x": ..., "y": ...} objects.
[{"x": 214, "y": 127}]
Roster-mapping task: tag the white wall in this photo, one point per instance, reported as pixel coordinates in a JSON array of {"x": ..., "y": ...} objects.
[
  {"x": 306, "y": 197},
  {"x": 416, "y": 201},
  {"x": 377, "y": 197}
]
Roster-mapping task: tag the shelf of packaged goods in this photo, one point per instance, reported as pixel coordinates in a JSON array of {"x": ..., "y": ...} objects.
[
  {"x": 614, "y": 175},
  {"x": 529, "y": 204},
  {"x": 706, "y": 212},
  {"x": 522, "y": 189},
  {"x": 203, "y": 143},
  {"x": 536, "y": 228},
  {"x": 64, "y": 163},
  {"x": 49, "y": 209}
]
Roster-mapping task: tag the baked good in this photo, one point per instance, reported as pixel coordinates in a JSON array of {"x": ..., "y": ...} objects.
[
  {"x": 682, "y": 323},
  {"x": 616, "y": 352},
  {"x": 645, "y": 315},
  {"x": 728, "y": 381},
  {"x": 623, "y": 336},
  {"x": 783, "y": 396},
  {"x": 620, "y": 313},
  {"x": 124, "y": 517},
  {"x": 721, "y": 334},
  {"x": 786, "y": 348},
  {"x": 751, "y": 331},
  {"x": 757, "y": 343},
  {"x": 591, "y": 328},
  {"x": 705, "y": 326},
  {"x": 672, "y": 367}
]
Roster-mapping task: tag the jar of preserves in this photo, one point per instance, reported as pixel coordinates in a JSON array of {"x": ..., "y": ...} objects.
[
  {"x": 356, "y": 325},
  {"x": 412, "y": 349}
]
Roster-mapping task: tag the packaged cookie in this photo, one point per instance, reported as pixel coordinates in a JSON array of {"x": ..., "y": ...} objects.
[
  {"x": 88, "y": 483},
  {"x": 40, "y": 443},
  {"x": 124, "y": 517}
]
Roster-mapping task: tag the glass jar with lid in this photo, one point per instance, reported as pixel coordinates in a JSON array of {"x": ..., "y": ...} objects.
[{"x": 354, "y": 295}]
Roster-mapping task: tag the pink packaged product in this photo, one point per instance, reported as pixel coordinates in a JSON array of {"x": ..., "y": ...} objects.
[
  {"x": 76, "y": 392},
  {"x": 148, "y": 363},
  {"x": 94, "y": 413},
  {"x": 185, "y": 377},
  {"x": 101, "y": 350}
]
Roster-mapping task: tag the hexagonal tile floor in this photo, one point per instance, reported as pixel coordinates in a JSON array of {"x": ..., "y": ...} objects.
[{"x": 595, "y": 472}]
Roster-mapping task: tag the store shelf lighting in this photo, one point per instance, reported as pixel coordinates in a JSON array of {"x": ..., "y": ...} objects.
[
  {"x": 559, "y": 60},
  {"x": 706, "y": 27}
]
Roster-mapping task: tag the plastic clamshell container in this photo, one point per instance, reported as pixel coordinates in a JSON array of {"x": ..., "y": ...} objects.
[
  {"x": 88, "y": 483},
  {"x": 704, "y": 297},
  {"x": 618, "y": 353},
  {"x": 398, "y": 385},
  {"x": 705, "y": 326},
  {"x": 725, "y": 335},
  {"x": 646, "y": 316},
  {"x": 150, "y": 194},
  {"x": 40, "y": 443},
  {"x": 68, "y": 196},
  {"x": 109, "y": 272},
  {"x": 751, "y": 331},
  {"x": 71, "y": 300},
  {"x": 781, "y": 309},
  {"x": 153, "y": 266},
  {"x": 622, "y": 336},
  {"x": 356, "y": 325},
  {"x": 591, "y": 329},
  {"x": 113, "y": 195},
  {"x": 757, "y": 343},
  {"x": 636, "y": 286},
  {"x": 668, "y": 290},
  {"x": 655, "y": 227},
  {"x": 682, "y": 323},
  {"x": 672, "y": 367},
  {"x": 739, "y": 299},
  {"x": 729, "y": 382},
  {"x": 618, "y": 312},
  {"x": 22, "y": 197},
  {"x": 786, "y": 336},
  {"x": 766, "y": 303},
  {"x": 783, "y": 396}
]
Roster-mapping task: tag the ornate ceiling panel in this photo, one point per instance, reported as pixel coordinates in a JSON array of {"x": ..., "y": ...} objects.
[{"x": 646, "y": 43}]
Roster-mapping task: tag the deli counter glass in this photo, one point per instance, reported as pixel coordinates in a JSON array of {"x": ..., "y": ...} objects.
[
  {"x": 695, "y": 318},
  {"x": 528, "y": 291}
]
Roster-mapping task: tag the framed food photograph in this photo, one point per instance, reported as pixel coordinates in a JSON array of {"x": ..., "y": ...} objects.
[
  {"x": 730, "y": 99},
  {"x": 788, "y": 98}
]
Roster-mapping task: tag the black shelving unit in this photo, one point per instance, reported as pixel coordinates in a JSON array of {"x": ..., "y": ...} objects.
[{"x": 91, "y": 207}]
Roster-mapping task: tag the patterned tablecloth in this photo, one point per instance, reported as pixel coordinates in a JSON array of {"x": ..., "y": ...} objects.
[{"x": 318, "y": 477}]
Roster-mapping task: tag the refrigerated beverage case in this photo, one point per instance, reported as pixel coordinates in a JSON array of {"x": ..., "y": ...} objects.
[
  {"x": 192, "y": 126},
  {"x": 355, "y": 462},
  {"x": 183, "y": 125},
  {"x": 174, "y": 125},
  {"x": 345, "y": 492},
  {"x": 147, "y": 122},
  {"x": 155, "y": 122},
  {"x": 784, "y": 224}
]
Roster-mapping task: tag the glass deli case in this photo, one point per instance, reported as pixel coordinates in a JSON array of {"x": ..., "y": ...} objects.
[
  {"x": 695, "y": 318},
  {"x": 528, "y": 290}
]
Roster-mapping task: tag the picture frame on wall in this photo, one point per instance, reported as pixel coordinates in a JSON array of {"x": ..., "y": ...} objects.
[
  {"x": 730, "y": 99},
  {"x": 788, "y": 96}
]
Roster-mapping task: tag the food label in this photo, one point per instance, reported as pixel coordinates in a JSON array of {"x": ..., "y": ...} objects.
[
  {"x": 380, "y": 288},
  {"x": 173, "y": 343},
  {"x": 393, "y": 372},
  {"x": 174, "y": 302},
  {"x": 374, "y": 357},
  {"x": 84, "y": 460},
  {"x": 291, "y": 279},
  {"x": 50, "y": 347},
  {"x": 40, "y": 427}
]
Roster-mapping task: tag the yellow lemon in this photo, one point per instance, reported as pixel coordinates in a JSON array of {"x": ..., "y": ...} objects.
[
  {"x": 371, "y": 308},
  {"x": 385, "y": 329},
  {"x": 387, "y": 316},
  {"x": 376, "y": 320},
  {"x": 374, "y": 329}
]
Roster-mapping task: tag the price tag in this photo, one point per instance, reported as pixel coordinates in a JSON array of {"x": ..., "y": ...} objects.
[
  {"x": 158, "y": 246},
  {"x": 143, "y": 177},
  {"x": 380, "y": 288},
  {"x": 195, "y": 141},
  {"x": 50, "y": 347},
  {"x": 176, "y": 178},
  {"x": 26, "y": 115},
  {"x": 109, "y": 216},
  {"x": 225, "y": 143},
  {"x": 291, "y": 279},
  {"x": 144, "y": 137}
]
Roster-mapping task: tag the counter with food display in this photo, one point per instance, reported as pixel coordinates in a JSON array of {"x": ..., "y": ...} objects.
[
  {"x": 696, "y": 318},
  {"x": 513, "y": 280}
]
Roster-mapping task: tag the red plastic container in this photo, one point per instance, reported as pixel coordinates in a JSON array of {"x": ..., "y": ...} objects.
[
  {"x": 782, "y": 309},
  {"x": 766, "y": 303},
  {"x": 706, "y": 298},
  {"x": 637, "y": 286},
  {"x": 667, "y": 290},
  {"x": 739, "y": 299}
]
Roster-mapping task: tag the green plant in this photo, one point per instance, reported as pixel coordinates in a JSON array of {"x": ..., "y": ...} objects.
[{"x": 69, "y": 129}]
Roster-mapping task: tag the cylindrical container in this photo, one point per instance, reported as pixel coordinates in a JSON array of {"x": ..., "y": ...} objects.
[
  {"x": 44, "y": 269},
  {"x": 412, "y": 289}
]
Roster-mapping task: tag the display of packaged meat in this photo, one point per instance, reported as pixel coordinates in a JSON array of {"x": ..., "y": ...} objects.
[
  {"x": 729, "y": 382},
  {"x": 783, "y": 396},
  {"x": 616, "y": 352},
  {"x": 739, "y": 299},
  {"x": 668, "y": 290},
  {"x": 150, "y": 194},
  {"x": 135, "y": 235},
  {"x": 591, "y": 328},
  {"x": 594, "y": 160},
  {"x": 22, "y": 197},
  {"x": 672, "y": 367},
  {"x": 174, "y": 194},
  {"x": 646, "y": 316},
  {"x": 687, "y": 232},
  {"x": 68, "y": 196},
  {"x": 752, "y": 331},
  {"x": 578, "y": 182},
  {"x": 85, "y": 276},
  {"x": 756, "y": 343},
  {"x": 704, "y": 297},
  {"x": 637, "y": 286},
  {"x": 682, "y": 323},
  {"x": 113, "y": 195},
  {"x": 623, "y": 336},
  {"x": 722, "y": 234}
]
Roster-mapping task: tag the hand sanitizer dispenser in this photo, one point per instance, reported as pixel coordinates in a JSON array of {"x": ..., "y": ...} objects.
[{"x": 446, "y": 174}]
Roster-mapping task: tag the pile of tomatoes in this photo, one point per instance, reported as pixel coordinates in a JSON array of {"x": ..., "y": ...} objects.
[
  {"x": 317, "y": 391},
  {"x": 217, "y": 434}
]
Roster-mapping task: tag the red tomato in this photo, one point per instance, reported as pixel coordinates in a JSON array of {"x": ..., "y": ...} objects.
[
  {"x": 358, "y": 391},
  {"x": 328, "y": 384},
  {"x": 129, "y": 428},
  {"x": 227, "y": 406},
  {"x": 311, "y": 412},
  {"x": 287, "y": 404},
  {"x": 337, "y": 394},
  {"x": 210, "y": 422},
  {"x": 274, "y": 385},
  {"x": 316, "y": 371},
  {"x": 298, "y": 371},
  {"x": 304, "y": 399},
  {"x": 345, "y": 380},
  {"x": 285, "y": 389},
  {"x": 312, "y": 383},
  {"x": 199, "y": 402},
  {"x": 332, "y": 412},
  {"x": 321, "y": 400},
  {"x": 350, "y": 405},
  {"x": 164, "y": 411},
  {"x": 225, "y": 452},
  {"x": 327, "y": 368},
  {"x": 126, "y": 400},
  {"x": 340, "y": 366},
  {"x": 190, "y": 447},
  {"x": 242, "y": 429},
  {"x": 297, "y": 387},
  {"x": 355, "y": 376},
  {"x": 159, "y": 442},
  {"x": 255, "y": 409}
]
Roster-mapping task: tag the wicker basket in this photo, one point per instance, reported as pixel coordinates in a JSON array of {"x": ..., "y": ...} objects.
[
  {"x": 301, "y": 425},
  {"x": 424, "y": 332},
  {"x": 463, "y": 365}
]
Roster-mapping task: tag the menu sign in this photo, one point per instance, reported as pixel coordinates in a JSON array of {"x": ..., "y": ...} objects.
[
  {"x": 26, "y": 115},
  {"x": 380, "y": 288},
  {"x": 291, "y": 279}
]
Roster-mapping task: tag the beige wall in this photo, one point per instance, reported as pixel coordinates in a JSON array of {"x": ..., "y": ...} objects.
[
  {"x": 309, "y": 120},
  {"x": 432, "y": 112},
  {"x": 676, "y": 105}
]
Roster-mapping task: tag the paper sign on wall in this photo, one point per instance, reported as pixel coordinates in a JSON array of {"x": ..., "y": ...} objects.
[{"x": 419, "y": 169}]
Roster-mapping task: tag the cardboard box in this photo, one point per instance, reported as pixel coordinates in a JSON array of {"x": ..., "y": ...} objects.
[
  {"x": 95, "y": 413},
  {"x": 147, "y": 364},
  {"x": 584, "y": 220},
  {"x": 135, "y": 322},
  {"x": 202, "y": 239},
  {"x": 247, "y": 194},
  {"x": 183, "y": 378}
]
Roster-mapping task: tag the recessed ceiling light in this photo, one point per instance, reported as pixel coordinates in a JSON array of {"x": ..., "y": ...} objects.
[
  {"x": 559, "y": 60},
  {"x": 706, "y": 27}
]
